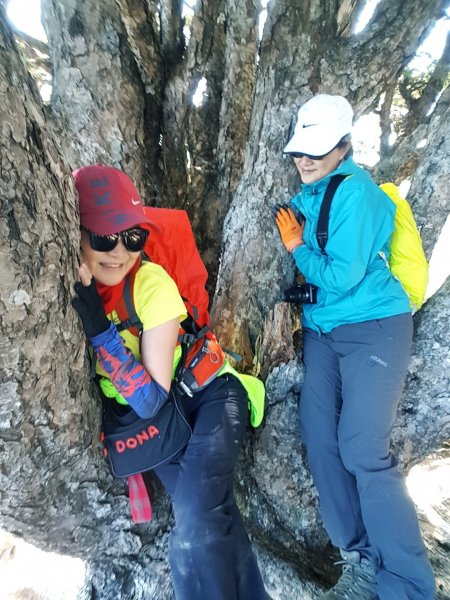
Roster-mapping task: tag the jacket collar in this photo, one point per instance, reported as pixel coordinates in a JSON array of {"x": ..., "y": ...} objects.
[{"x": 347, "y": 167}]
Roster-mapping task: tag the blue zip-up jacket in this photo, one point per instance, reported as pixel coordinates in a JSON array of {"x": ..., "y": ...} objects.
[{"x": 354, "y": 283}]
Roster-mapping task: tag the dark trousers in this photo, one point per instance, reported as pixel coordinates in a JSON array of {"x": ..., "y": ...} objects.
[
  {"x": 353, "y": 381},
  {"x": 209, "y": 551}
]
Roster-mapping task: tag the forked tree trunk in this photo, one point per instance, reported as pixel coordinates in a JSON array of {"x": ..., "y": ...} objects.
[
  {"x": 122, "y": 95},
  {"x": 56, "y": 491},
  {"x": 305, "y": 50}
]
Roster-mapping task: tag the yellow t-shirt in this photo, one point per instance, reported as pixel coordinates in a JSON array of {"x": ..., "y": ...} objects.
[{"x": 156, "y": 301}]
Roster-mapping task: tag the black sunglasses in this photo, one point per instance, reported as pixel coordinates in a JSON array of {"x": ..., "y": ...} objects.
[
  {"x": 311, "y": 156},
  {"x": 133, "y": 239}
]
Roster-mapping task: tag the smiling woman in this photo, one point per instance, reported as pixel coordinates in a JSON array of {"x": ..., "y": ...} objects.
[
  {"x": 315, "y": 155},
  {"x": 313, "y": 168},
  {"x": 209, "y": 537},
  {"x": 357, "y": 334}
]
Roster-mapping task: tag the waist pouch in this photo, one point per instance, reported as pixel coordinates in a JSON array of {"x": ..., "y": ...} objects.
[
  {"x": 199, "y": 365},
  {"x": 133, "y": 445}
]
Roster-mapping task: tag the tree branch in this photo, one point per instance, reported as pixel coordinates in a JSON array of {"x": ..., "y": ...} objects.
[
  {"x": 392, "y": 15},
  {"x": 420, "y": 107},
  {"x": 407, "y": 24},
  {"x": 385, "y": 120},
  {"x": 429, "y": 186},
  {"x": 399, "y": 161},
  {"x": 347, "y": 16},
  {"x": 172, "y": 36}
]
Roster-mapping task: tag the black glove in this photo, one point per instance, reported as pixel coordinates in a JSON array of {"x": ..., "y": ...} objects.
[
  {"x": 89, "y": 306},
  {"x": 298, "y": 214}
]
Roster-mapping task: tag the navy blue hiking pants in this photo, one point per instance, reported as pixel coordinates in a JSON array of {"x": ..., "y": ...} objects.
[
  {"x": 354, "y": 377},
  {"x": 209, "y": 551}
]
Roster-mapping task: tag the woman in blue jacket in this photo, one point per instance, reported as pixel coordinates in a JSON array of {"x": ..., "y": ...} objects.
[{"x": 356, "y": 346}]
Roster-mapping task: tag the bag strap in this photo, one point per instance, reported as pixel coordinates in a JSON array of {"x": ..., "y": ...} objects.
[
  {"x": 324, "y": 214},
  {"x": 139, "y": 499},
  {"x": 126, "y": 311}
]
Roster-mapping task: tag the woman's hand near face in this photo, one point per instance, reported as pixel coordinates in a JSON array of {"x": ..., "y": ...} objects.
[
  {"x": 84, "y": 275},
  {"x": 89, "y": 305}
]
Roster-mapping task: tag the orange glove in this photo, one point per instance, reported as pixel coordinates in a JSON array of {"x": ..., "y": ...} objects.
[{"x": 291, "y": 231}]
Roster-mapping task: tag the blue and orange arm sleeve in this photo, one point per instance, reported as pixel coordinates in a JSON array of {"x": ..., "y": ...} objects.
[{"x": 129, "y": 376}]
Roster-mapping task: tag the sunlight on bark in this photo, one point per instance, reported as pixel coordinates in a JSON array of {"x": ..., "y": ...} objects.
[
  {"x": 29, "y": 573},
  {"x": 366, "y": 139},
  {"x": 429, "y": 486},
  {"x": 366, "y": 15},
  {"x": 200, "y": 92},
  {"x": 439, "y": 263}
]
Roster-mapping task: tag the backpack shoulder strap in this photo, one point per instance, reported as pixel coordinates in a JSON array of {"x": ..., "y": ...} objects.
[
  {"x": 126, "y": 311},
  {"x": 130, "y": 320},
  {"x": 324, "y": 214}
]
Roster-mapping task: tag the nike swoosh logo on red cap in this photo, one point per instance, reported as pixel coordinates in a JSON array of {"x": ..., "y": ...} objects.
[{"x": 133, "y": 201}]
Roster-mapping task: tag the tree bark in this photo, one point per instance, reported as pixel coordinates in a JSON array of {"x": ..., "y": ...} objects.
[
  {"x": 48, "y": 424},
  {"x": 429, "y": 195},
  {"x": 123, "y": 81},
  {"x": 105, "y": 67},
  {"x": 55, "y": 487},
  {"x": 123, "y": 95},
  {"x": 302, "y": 52}
]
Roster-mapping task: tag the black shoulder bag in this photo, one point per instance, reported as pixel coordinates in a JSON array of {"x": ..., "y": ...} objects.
[{"x": 134, "y": 445}]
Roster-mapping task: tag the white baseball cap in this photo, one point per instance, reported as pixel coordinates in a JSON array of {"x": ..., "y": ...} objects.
[{"x": 322, "y": 122}]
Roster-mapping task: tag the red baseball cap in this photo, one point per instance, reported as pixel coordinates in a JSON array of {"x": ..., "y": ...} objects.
[{"x": 109, "y": 201}]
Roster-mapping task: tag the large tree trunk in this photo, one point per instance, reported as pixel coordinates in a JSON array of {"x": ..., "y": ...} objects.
[
  {"x": 123, "y": 82},
  {"x": 106, "y": 98},
  {"x": 123, "y": 95},
  {"x": 56, "y": 491},
  {"x": 429, "y": 194},
  {"x": 48, "y": 423},
  {"x": 307, "y": 47}
]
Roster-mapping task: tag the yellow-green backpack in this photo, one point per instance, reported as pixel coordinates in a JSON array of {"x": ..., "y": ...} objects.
[{"x": 407, "y": 259}]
